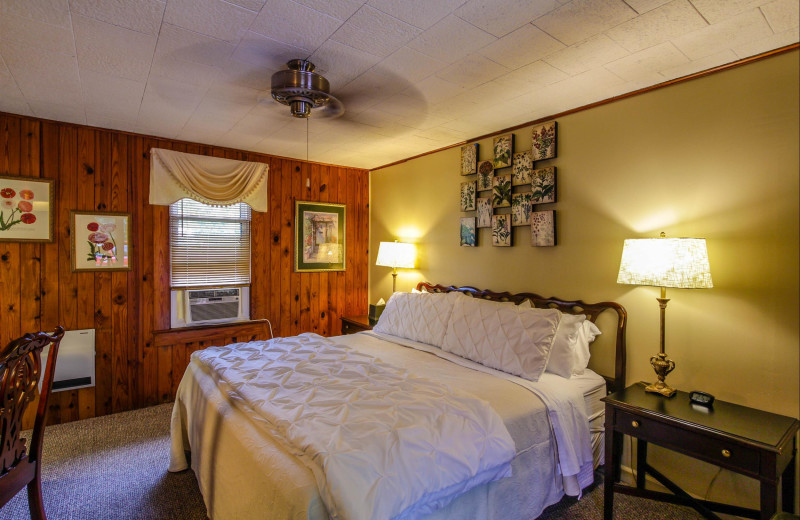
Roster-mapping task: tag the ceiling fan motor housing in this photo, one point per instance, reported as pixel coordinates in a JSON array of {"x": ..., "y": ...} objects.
[{"x": 300, "y": 88}]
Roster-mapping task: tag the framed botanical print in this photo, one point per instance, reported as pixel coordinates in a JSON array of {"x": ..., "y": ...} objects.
[
  {"x": 319, "y": 237},
  {"x": 503, "y": 148},
  {"x": 468, "y": 194},
  {"x": 100, "y": 241},
  {"x": 469, "y": 159},
  {"x": 26, "y": 209},
  {"x": 544, "y": 141}
]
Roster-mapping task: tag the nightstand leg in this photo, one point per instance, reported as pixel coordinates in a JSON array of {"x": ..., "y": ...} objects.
[
  {"x": 613, "y": 450},
  {"x": 787, "y": 484},
  {"x": 641, "y": 463},
  {"x": 769, "y": 499}
]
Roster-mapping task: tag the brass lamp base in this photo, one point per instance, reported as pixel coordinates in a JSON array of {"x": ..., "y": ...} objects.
[{"x": 663, "y": 366}]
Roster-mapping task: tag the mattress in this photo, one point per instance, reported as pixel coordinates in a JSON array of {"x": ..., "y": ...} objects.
[{"x": 243, "y": 473}]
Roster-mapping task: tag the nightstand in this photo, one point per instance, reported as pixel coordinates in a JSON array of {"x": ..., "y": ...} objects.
[
  {"x": 752, "y": 442},
  {"x": 353, "y": 324}
]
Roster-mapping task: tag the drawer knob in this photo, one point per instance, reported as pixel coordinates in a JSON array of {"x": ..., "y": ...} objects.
[
  {"x": 635, "y": 424},
  {"x": 726, "y": 453}
]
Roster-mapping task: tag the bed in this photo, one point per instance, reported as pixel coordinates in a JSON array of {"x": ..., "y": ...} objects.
[{"x": 246, "y": 468}]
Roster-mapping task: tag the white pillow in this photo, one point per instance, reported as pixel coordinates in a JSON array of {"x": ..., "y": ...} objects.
[
  {"x": 419, "y": 317},
  {"x": 586, "y": 334},
  {"x": 510, "y": 338},
  {"x": 562, "y": 356}
]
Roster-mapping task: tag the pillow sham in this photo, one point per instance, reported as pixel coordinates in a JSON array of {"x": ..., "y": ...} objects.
[
  {"x": 506, "y": 337},
  {"x": 419, "y": 317},
  {"x": 586, "y": 334},
  {"x": 562, "y": 355}
]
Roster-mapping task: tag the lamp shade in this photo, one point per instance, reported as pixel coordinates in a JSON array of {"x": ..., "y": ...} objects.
[
  {"x": 665, "y": 262},
  {"x": 396, "y": 254}
]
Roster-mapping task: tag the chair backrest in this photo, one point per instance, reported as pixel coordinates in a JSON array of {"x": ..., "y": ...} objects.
[{"x": 20, "y": 371}]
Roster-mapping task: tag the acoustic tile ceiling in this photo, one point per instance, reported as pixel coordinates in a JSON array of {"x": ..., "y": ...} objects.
[{"x": 414, "y": 75}]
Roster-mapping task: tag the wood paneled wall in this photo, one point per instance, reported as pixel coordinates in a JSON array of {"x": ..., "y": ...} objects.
[{"x": 139, "y": 361}]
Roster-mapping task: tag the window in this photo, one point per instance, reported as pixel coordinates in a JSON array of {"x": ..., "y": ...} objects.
[{"x": 209, "y": 248}]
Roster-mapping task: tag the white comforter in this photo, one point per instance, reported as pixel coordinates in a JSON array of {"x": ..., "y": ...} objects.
[{"x": 380, "y": 442}]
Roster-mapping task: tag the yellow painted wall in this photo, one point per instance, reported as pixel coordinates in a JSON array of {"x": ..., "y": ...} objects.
[{"x": 716, "y": 157}]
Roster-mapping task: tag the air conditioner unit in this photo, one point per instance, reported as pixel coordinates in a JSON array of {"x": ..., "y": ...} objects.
[{"x": 213, "y": 305}]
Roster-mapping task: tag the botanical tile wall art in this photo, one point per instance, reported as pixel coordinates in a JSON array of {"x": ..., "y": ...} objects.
[
  {"x": 468, "y": 196},
  {"x": 503, "y": 148},
  {"x": 521, "y": 169},
  {"x": 501, "y": 230},
  {"x": 501, "y": 191},
  {"x": 544, "y": 141},
  {"x": 469, "y": 235},
  {"x": 521, "y": 209},
  {"x": 543, "y": 185},
  {"x": 469, "y": 158},
  {"x": 484, "y": 212},
  {"x": 543, "y": 228},
  {"x": 485, "y": 172}
]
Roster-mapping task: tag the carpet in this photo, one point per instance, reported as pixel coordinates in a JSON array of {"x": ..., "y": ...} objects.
[{"x": 115, "y": 468}]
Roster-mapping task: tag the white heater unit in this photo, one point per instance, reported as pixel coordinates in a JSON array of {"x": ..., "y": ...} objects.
[
  {"x": 213, "y": 305},
  {"x": 75, "y": 361}
]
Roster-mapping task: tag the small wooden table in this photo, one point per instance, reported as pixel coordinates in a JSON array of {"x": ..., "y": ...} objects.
[
  {"x": 752, "y": 442},
  {"x": 353, "y": 324}
]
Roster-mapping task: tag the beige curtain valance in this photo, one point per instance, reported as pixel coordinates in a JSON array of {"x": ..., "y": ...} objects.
[{"x": 211, "y": 180}]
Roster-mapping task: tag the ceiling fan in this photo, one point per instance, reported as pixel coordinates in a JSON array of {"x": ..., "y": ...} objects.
[{"x": 303, "y": 90}]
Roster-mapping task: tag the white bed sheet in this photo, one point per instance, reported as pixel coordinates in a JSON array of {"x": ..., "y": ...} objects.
[{"x": 243, "y": 474}]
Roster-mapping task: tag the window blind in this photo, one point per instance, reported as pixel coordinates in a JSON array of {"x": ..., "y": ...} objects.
[{"x": 209, "y": 245}]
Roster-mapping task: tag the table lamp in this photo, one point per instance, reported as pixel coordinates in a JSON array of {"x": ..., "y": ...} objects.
[
  {"x": 665, "y": 262},
  {"x": 396, "y": 254}
]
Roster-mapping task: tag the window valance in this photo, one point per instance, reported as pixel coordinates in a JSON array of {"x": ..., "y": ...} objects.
[{"x": 211, "y": 180}]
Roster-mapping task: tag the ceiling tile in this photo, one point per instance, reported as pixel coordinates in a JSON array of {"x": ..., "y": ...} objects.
[
  {"x": 375, "y": 32},
  {"x": 451, "y": 39},
  {"x": 592, "y": 53},
  {"x": 582, "y": 19},
  {"x": 270, "y": 55},
  {"x": 472, "y": 71},
  {"x": 774, "y": 41},
  {"x": 171, "y": 95},
  {"x": 295, "y": 24},
  {"x": 196, "y": 74},
  {"x": 530, "y": 77},
  {"x": 340, "y": 63},
  {"x": 138, "y": 15},
  {"x": 643, "y": 6},
  {"x": 705, "y": 63},
  {"x": 373, "y": 83},
  {"x": 54, "y": 12},
  {"x": 746, "y": 27},
  {"x": 33, "y": 33},
  {"x": 178, "y": 43},
  {"x": 14, "y": 105},
  {"x": 215, "y": 18},
  {"x": 521, "y": 47},
  {"x": 113, "y": 50},
  {"x": 420, "y": 13},
  {"x": 657, "y": 26},
  {"x": 43, "y": 76},
  {"x": 782, "y": 15},
  {"x": 250, "y": 5},
  {"x": 101, "y": 121},
  {"x": 410, "y": 65},
  {"x": 112, "y": 96},
  {"x": 716, "y": 11},
  {"x": 643, "y": 63},
  {"x": 339, "y": 9},
  {"x": 58, "y": 112},
  {"x": 435, "y": 89},
  {"x": 500, "y": 17}
]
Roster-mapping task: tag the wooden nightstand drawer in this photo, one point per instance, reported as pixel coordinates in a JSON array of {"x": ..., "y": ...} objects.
[
  {"x": 353, "y": 324},
  {"x": 717, "y": 451}
]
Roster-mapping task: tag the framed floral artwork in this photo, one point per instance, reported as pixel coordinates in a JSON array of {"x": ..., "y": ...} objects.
[
  {"x": 521, "y": 169},
  {"x": 485, "y": 172},
  {"x": 469, "y": 159},
  {"x": 544, "y": 141},
  {"x": 26, "y": 209},
  {"x": 484, "y": 212},
  {"x": 503, "y": 148},
  {"x": 501, "y": 192},
  {"x": 521, "y": 209},
  {"x": 543, "y": 228},
  {"x": 319, "y": 237},
  {"x": 469, "y": 236},
  {"x": 543, "y": 185},
  {"x": 468, "y": 194},
  {"x": 100, "y": 241},
  {"x": 501, "y": 230}
]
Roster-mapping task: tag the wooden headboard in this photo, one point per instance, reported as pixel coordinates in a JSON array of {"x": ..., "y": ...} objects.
[{"x": 591, "y": 310}]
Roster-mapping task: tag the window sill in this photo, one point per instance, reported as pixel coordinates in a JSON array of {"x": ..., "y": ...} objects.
[{"x": 210, "y": 332}]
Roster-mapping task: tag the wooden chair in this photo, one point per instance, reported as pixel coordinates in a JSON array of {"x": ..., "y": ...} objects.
[{"x": 20, "y": 370}]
